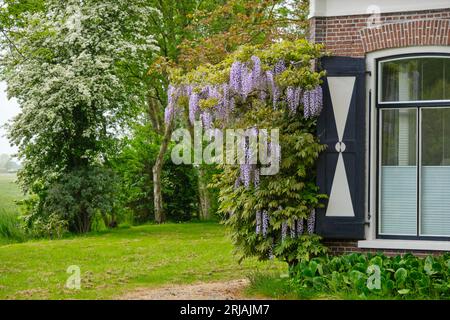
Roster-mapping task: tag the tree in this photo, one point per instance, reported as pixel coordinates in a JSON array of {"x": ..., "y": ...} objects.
[
  {"x": 218, "y": 33},
  {"x": 270, "y": 212},
  {"x": 171, "y": 29},
  {"x": 75, "y": 69},
  {"x": 134, "y": 165}
]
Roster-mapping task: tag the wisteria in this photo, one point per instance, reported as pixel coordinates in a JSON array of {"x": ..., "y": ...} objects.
[
  {"x": 193, "y": 106},
  {"x": 249, "y": 80},
  {"x": 280, "y": 67},
  {"x": 284, "y": 230},
  {"x": 168, "y": 114},
  {"x": 311, "y": 222},
  {"x": 246, "y": 174},
  {"x": 312, "y": 102},
  {"x": 265, "y": 223},
  {"x": 271, "y": 256},
  {"x": 207, "y": 119},
  {"x": 300, "y": 223},
  {"x": 256, "y": 178},
  {"x": 293, "y": 231},
  {"x": 258, "y": 222},
  {"x": 236, "y": 72},
  {"x": 244, "y": 79},
  {"x": 273, "y": 88}
]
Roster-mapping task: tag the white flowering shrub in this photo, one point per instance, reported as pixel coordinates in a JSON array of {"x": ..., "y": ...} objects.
[{"x": 70, "y": 69}]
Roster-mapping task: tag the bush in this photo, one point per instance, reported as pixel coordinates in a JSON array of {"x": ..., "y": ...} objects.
[
  {"x": 51, "y": 227},
  {"x": 379, "y": 276},
  {"x": 72, "y": 203}
]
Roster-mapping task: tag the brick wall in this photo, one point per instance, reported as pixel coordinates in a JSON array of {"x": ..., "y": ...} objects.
[
  {"x": 338, "y": 247},
  {"x": 351, "y": 36}
]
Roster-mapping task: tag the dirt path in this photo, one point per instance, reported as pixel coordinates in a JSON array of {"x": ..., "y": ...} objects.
[{"x": 226, "y": 290}]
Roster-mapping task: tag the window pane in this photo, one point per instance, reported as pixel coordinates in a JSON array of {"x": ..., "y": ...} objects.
[
  {"x": 415, "y": 79},
  {"x": 398, "y": 172},
  {"x": 435, "y": 172},
  {"x": 447, "y": 79}
]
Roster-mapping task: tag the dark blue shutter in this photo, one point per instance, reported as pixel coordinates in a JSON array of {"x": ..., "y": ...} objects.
[{"x": 341, "y": 169}]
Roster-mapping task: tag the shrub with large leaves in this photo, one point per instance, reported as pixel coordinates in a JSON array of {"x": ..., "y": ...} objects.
[{"x": 367, "y": 275}]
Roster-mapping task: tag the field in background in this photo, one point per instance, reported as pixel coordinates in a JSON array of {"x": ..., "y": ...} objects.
[
  {"x": 9, "y": 194},
  {"x": 118, "y": 261}
]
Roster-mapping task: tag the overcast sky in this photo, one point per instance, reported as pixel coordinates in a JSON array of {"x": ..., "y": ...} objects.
[{"x": 8, "y": 109}]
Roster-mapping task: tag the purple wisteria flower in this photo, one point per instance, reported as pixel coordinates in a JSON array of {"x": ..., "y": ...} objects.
[
  {"x": 256, "y": 178},
  {"x": 236, "y": 76},
  {"x": 237, "y": 183},
  {"x": 246, "y": 174},
  {"x": 168, "y": 114},
  {"x": 306, "y": 103},
  {"x": 258, "y": 222},
  {"x": 280, "y": 67},
  {"x": 313, "y": 102},
  {"x": 271, "y": 256},
  {"x": 311, "y": 221},
  {"x": 206, "y": 119},
  {"x": 290, "y": 98},
  {"x": 247, "y": 84},
  {"x": 293, "y": 96},
  {"x": 284, "y": 230},
  {"x": 265, "y": 223},
  {"x": 293, "y": 231},
  {"x": 256, "y": 71},
  {"x": 193, "y": 106},
  {"x": 273, "y": 87},
  {"x": 300, "y": 227}
]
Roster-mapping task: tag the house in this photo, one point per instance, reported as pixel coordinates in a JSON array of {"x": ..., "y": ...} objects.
[{"x": 386, "y": 122}]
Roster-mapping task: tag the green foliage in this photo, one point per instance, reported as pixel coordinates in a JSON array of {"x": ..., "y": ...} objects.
[
  {"x": 72, "y": 202},
  {"x": 356, "y": 275},
  {"x": 134, "y": 165},
  {"x": 75, "y": 84},
  {"x": 291, "y": 194}
]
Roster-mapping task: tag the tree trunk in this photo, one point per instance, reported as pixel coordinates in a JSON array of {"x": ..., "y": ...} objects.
[
  {"x": 204, "y": 196},
  {"x": 160, "y": 216}
]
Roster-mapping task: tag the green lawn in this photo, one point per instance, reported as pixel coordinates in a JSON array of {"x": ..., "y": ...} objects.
[
  {"x": 115, "y": 262},
  {"x": 9, "y": 192}
]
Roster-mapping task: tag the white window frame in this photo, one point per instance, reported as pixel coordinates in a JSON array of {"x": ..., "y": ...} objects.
[
  {"x": 371, "y": 154},
  {"x": 406, "y": 58}
]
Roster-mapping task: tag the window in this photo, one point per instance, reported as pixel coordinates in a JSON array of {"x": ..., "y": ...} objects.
[
  {"x": 415, "y": 79},
  {"x": 414, "y": 146}
]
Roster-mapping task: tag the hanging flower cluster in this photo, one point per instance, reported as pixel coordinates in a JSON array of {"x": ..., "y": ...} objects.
[{"x": 245, "y": 80}]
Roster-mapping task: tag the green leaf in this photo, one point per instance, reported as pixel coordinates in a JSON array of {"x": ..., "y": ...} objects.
[
  {"x": 401, "y": 275},
  {"x": 404, "y": 291}
]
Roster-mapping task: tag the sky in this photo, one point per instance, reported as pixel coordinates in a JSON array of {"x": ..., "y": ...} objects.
[{"x": 8, "y": 109}]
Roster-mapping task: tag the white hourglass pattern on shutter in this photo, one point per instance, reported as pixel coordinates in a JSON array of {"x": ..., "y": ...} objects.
[{"x": 340, "y": 202}]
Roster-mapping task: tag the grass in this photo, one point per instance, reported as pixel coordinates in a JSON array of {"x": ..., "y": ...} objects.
[
  {"x": 9, "y": 194},
  {"x": 114, "y": 262}
]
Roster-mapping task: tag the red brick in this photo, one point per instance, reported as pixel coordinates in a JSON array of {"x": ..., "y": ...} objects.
[{"x": 350, "y": 36}]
